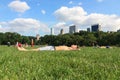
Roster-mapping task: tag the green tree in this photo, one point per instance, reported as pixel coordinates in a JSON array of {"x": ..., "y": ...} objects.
[
  {"x": 25, "y": 40},
  {"x": 89, "y": 39}
]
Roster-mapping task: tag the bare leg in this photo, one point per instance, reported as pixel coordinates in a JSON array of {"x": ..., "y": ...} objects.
[{"x": 23, "y": 49}]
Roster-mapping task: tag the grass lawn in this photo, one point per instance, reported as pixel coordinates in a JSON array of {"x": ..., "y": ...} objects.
[{"x": 87, "y": 64}]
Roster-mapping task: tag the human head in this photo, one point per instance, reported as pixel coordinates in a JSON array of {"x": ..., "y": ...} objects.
[{"x": 74, "y": 46}]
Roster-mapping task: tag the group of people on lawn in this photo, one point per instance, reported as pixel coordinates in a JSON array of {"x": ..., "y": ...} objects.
[{"x": 62, "y": 47}]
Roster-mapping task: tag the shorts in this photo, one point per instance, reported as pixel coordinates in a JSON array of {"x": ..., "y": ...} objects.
[{"x": 47, "y": 48}]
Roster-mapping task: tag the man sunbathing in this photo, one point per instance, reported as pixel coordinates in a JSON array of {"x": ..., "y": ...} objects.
[{"x": 72, "y": 47}]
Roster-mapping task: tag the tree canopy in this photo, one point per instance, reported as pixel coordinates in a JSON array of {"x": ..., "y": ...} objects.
[{"x": 82, "y": 38}]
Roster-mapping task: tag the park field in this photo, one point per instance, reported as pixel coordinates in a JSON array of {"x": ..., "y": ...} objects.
[{"x": 87, "y": 64}]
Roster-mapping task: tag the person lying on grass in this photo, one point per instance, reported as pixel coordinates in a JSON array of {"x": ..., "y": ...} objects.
[
  {"x": 72, "y": 47},
  {"x": 105, "y": 47}
]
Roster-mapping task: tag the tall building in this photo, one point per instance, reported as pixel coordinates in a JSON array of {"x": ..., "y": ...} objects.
[
  {"x": 88, "y": 29},
  {"x": 52, "y": 31},
  {"x": 72, "y": 29},
  {"x": 37, "y": 36},
  {"x": 95, "y": 28},
  {"x": 61, "y": 31},
  {"x": 118, "y": 30}
]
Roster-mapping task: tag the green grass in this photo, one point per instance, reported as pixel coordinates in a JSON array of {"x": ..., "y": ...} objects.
[{"x": 87, "y": 64}]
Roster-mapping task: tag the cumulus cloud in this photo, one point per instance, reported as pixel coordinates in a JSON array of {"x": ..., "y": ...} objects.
[
  {"x": 19, "y": 6},
  {"x": 24, "y": 26},
  {"x": 65, "y": 13},
  {"x": 43, "y": 11},
  {"x": 71, "y": 2},
  {"x": 78, "y": 16}
]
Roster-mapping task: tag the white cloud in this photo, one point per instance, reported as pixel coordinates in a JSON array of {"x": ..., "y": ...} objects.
[
  {"x": 19, "y": 6},
  {"x": 0, "y": 26},
  {"x": 65, "y": 13},
  {"x": 77, "y": 15},
  {"x": 80, "y": 3},
  {"x": 71, "y": 2},
  {"x": 75, "y": 3},
  {"x": 24, "y": 26},
  {"x": 43, "y": 11}
]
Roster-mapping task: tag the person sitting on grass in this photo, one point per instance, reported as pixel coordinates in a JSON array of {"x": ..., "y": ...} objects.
[{"x": 72, "y": 47}]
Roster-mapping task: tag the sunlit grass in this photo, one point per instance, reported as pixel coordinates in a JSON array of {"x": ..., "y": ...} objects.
[{"x": 87, "y": 64}]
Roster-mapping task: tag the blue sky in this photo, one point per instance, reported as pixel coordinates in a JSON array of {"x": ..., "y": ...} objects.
[{"x": 31, "y": 17}]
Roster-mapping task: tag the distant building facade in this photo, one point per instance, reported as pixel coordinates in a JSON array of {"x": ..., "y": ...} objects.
[
  {"x": 88, "y": 29},
  {"x": 72, "y": 29},
  {"x": 61, "y": 31},
  {"x": 37, "y": 36},
  {"x": 118, "y": 30},
  {"x": 95, "y": 28},
  {"x": 52, "y": 31}
]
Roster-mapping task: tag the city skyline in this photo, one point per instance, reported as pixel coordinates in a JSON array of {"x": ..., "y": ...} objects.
[{"x": 31, "y": 17}]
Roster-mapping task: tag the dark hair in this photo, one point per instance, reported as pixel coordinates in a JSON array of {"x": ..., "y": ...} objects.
[{"x": 78, "y": 46}]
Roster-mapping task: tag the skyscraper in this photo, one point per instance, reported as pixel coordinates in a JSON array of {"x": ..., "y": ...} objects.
[
  {"x": 95, "y": 28},
  {"x": 118, "y": 30},
  {"x": 88, "y": 29},
  {"x": 61, "y": 31},
  {"x": 52, "y": 31},
  {"x": 37, "y": 36},
  {"x": 72, "y": 29}
]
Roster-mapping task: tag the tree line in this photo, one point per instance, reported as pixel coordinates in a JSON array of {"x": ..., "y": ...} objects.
[{"x": 83, "y": 38}]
